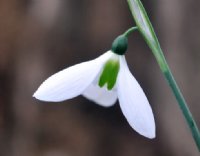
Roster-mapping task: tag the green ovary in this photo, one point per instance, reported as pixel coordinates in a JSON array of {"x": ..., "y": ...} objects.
[{"x": 109, "y": 74}]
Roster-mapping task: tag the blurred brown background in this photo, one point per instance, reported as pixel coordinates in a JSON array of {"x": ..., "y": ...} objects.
[{"x": 41, "y": 37}]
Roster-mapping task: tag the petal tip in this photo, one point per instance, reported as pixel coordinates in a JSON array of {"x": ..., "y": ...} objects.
[
  {"x": 40, "y": 95},
  {"x": 150, "y": 133},
  {"x": 34, "y": 94},
  {"x": 37, "y": 96}
]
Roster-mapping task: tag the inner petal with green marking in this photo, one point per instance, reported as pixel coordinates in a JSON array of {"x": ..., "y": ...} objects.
[{"x": 109, "y": 73}]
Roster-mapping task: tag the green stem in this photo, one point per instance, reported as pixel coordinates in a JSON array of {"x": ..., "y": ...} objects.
[
  {"x": 130, "y": 30},
  {"x": 179, "y": 97},
  {"x": 183, "y": 105},
  {"x": 146, "y": 29}
]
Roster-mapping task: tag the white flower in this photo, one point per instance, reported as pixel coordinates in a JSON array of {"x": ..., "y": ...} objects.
[{"x": 83, "y": 79}]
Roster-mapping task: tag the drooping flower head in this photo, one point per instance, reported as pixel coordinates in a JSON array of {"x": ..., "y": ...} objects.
[{"x": 103, "y": 81}]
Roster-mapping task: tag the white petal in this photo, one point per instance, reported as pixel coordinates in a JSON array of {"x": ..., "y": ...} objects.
[
  {"x": 71, "y": 81},
  {"x": 134, "y": 103},
  {"x": 101, "y": 96}
]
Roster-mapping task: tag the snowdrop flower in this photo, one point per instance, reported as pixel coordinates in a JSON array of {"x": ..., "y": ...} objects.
[{"x": 104, "y": 80}]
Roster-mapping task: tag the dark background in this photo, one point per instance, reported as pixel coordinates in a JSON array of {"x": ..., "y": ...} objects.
[{"x": 41, "y": 37}]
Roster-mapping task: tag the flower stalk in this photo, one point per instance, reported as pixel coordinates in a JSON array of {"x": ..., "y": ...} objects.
[
  {"x": 145, "y": 28},
  {"x": 130, "y": 30}
]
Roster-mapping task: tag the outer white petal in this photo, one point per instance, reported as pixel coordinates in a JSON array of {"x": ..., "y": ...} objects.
[
  {"x": 134, "y": 103},
  {"x": 71, "y": 81},
  {"x": 101, "y": 96}
]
